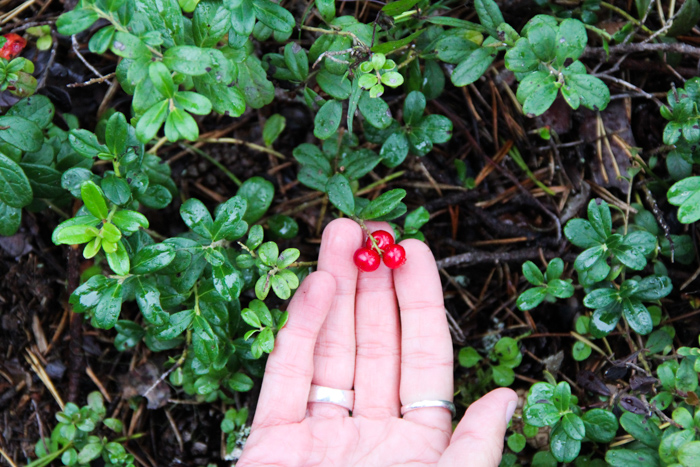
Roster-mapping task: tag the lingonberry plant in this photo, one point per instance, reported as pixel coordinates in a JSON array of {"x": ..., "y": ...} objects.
[{"x": 206, "y": 289}]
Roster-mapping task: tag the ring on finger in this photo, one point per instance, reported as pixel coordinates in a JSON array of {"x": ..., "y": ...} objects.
[
  {"x": 344, "y": 398},
  {"x": 428, "y": 403}
]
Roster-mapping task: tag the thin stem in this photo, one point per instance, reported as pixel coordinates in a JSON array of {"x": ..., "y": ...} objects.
[
  {"x": 335, "y": 32},
  {"x": 384, "y": 180},
  {"x": 303, "y": 264},
  {"x": 257, "y": 147},
  {"x": 218, "y": 164},
  {"x": 627, "y": 16}
]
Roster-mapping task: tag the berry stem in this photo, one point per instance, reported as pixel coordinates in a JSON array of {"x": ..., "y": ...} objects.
[{"x": 369, "y": 234}]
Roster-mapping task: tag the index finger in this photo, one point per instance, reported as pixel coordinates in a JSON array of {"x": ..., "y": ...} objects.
[
  {"x": 426, "y": 345},
  {"x": 287, "y": 381}
]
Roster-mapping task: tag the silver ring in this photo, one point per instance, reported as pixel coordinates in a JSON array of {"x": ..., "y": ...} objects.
[
  {"x": 429, "y": 403},
  {"x": 344, "y": 398}
]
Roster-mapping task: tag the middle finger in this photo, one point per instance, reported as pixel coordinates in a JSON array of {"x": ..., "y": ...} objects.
[{"x": 377, "y": 366}]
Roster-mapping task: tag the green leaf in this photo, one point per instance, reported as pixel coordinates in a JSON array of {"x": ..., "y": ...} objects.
[
  {"x": 177, "y": 325},
  {"x": 327, "y": 9},
  {"x": 36, "y": 108},
  {"x": 685, "y": 18},
  {"x": 581, "y": 233},
  {"x": 653, "y": 288},
  {"x": 642, "y": 429},
  {"x": 541, "y": 414},
  {"x": 375, "y": 111},
  {"x": 152, "y": 258},
  {"x": 562, "y": 396},
  {"x": 118, "y": 260},
  {"x": 273, "y": 16},
  {"x": 193, "y": 102},
  {"x": 258, "y": 194},
  {"x": 489, "y": 14},
  {"x": 15, "y": 190},
  {"x": 564, "y": 447},
  {"x": 395, "y": 8},
  {"x": 85, "y": 143},
  {"x": 394, "y": 150},
  {"x": 240, "y": 383},
  {"x": 187, "y": 59},
  {"x": 21, "y": 133},
  {"x": 640, "y": 457},
  {"x": 521, "y": 58},
  {"x": 383, "y": 205},
  {"x": 503, "y": 375},
  {"x": 340, "y": 194},
  {"x": 601, "y": 425},
  {"x": 252, "y": 80},
  {"x": 571, "y": 40},
  {"x": 689, "y": 453},
  {"x": 151, "y": 121},
  {"x": 537, "y": 92},
  {"x": 197, "y": 217},
  {"x": 686, "y": 376},
  {"x": 573, "y": 426},
  {"x": 76, "y": 21},
  {"x": 506, "y": 348},
  {"x": 581, "y": 351},
  {"x": 532, "y": 273},
  {"x": 210, "y": 23},
  {"x": 280, "y": 287},
  {"x": 10, "y": 219},
  {"x": 531, "y": 298},
  {"x": 413, "y": 108},
  {"x": 388, "y": 47},
  {"x": 128, "y": 46},
  {"x": 328, "y": 119},
  {"x": 474, "y": 66},
  {"x": 282, "y": 226},
  {"x": 229, "y": 224},
  {"x": 437, "y": 128},
  {"x": 469, "y": 357},
  {"x": 560, "y": 288},
  {"x": 541, "y": 37},
  {"x": 89, "y": 452},
  {"x": 148, "y": 299},
  {"x": 686, "y": 194},
  {"x": 274, "y": 126},
  {"x": 668, "y": 449},
  {"x": 592, "y": 92},
  {"x": 227, "y": 281},
  {"x": 516, "y": 442},
  {"x": 109, "y": 306},
  {"x": 297, "y": 61},
  {"x": 94, "y": 199},
  {"x": 337, "y": 86}
]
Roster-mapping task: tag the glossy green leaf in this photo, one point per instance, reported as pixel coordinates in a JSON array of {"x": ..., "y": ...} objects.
[
  {"x": 15, "y": 190},
  {"x": 109, "y": 306},
  {"x": 383, "y": 205},
  {"x": 187, "y": 59},
  {"x": 148, "y": 299},
  {"x": 642, "y": 428},
  {"x": 340, "y": 194},
  {"x": 474, "y": 66},
  {"x": 328, "y": 119},
  {"x": 531, "y": 298},
  {"x": 76, "y": 21},
  {"x": 197, "y": 217},
  {"x": 258, "y": 194}
]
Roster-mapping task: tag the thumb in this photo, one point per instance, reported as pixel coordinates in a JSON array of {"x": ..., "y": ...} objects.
[{"x": 478, "y": 439}]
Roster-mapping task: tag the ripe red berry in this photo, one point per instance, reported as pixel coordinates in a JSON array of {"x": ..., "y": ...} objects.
[
  {"x": 383, "y": 239},
  {"x": 12, "y": 46},
  {"x": 366, "y": 259},
  {"x": 394, "y": 256}
]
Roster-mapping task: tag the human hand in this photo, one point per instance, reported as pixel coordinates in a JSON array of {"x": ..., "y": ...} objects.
[{"x": 347, "y": 330}]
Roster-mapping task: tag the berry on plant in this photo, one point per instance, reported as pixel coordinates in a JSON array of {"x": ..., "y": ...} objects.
[
  {"x": 366, "y": 259},
  {"x": 12, "y": 46},
  {"x": 394, "y": 256},
  {"x": 383, "y": 239}
]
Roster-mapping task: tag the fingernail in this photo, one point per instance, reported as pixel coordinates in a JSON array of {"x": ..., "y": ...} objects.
[{"x": 510, "y": 410}]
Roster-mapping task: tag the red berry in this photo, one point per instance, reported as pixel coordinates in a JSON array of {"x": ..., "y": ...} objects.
[
  {"x": 383, "y": 239},
  {"x": 394, "y": 256},
  {"x": 13, "y": 46},
  {"x": 366, "y": 259}
]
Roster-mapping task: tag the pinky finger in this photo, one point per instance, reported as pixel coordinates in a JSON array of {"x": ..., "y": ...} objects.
[{"x": 478, "y": 439}]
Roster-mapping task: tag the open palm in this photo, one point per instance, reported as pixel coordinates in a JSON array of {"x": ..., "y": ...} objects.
[{"x": 384, "y": 334}]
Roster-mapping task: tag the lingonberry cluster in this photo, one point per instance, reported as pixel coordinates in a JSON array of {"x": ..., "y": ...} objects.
[{"x": 368, "y": 257}]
